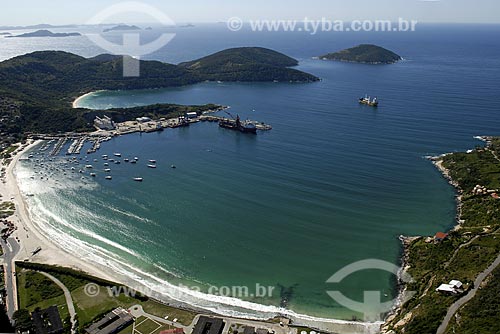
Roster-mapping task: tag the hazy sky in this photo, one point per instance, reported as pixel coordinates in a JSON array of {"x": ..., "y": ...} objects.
[{"x": 24, "y": 12}]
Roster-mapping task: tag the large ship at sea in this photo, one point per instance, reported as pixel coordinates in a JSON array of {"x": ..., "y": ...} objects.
[
  {"x": 368, "y": 101},
  {"x": 237, "y": 124}
]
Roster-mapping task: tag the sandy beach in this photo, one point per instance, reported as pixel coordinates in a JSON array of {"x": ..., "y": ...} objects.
[
  {"x": 28, "y": 234},
  {"x": 75, "y": 102},
  {"x": 30, "y": 238}
]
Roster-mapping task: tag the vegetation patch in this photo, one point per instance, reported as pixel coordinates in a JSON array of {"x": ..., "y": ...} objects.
[
  {"x": 463, "y": 255},
  {"x": 7, "y": 209}
]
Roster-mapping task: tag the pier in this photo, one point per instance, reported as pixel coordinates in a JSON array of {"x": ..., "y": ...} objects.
[{"x": 100, "y": 136}]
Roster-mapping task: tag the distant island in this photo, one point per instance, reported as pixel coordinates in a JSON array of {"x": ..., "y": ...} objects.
[
  {"x": 45, "y": 33},
  {"x": 5, "y": 34},
  {"x": 40, "y": 100},
  {"x": 364, "y": 53},
  {"x": 122, "y": 27},
  {"x": 37, "y": 26}
]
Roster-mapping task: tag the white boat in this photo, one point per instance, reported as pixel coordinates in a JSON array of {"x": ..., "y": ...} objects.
[
  {"x": 89, "y": 166},
  {"x": 138, "y": 179},
  {"x": 107, "y": 170},
  {"x": 152, "y": 166},
  {"x": 118, "y": 154},
  {"x": 109, "y": 177},
  {"x": 93, "y": 174},
  {"x": 152, "y": 161}
]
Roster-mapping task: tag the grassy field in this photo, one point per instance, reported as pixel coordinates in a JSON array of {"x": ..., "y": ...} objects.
[
  {"x": 467, "y": 252},
  {"x": 33, "y": 287},
  {"x": 160, "y": 310},
  {"x": 144, "y": 325},
  {"x": 37, "y": 291}
]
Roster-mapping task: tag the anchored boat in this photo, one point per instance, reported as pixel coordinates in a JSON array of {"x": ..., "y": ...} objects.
[
  {"x": 237, "y": 124},
  {"x": 368, "y": 101}
]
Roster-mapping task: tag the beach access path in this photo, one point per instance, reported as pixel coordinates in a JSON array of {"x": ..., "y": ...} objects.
[
  {"x": 10, "y": 250},
  {"x": 67, "y": 296}
]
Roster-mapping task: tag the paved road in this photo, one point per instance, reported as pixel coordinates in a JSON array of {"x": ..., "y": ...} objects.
[
  {"x": 10, "y": 250},
  {"x": 69, "y": 299},
  {"x": 462, "y": 301}
]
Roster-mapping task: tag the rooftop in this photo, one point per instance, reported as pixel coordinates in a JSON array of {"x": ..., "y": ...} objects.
[
  {"x": 207, "y": 325},
  {"x": 112, "y": 323},
  {"x": 47, "y": 321}
]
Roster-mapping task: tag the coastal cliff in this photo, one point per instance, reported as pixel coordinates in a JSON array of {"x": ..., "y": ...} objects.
[{"x": 463, "y": 254}]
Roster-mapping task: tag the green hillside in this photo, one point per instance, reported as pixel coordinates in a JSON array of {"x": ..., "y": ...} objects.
[{"x": 364, "y": 53}]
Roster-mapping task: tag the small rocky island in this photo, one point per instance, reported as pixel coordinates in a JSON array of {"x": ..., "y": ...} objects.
[
  {"x": 46, "y": 33},
  {"x": 364, "y": 53},
  {"x": 122, "y": 27}
]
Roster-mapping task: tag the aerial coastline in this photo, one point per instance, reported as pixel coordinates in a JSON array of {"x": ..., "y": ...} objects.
[
  {"x": 137, "y": 182},
  {"x": 476, "y": 196},
  {"x": 30, "y": 238}
]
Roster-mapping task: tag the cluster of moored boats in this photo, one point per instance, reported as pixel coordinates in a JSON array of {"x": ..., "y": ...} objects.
[{"x": 83, "y": 165}]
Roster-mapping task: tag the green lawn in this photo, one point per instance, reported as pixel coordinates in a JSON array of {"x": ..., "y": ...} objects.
[
  {"x": 147, "y": 326},
  {"x": 36, "y": 290},
  {"x": 90, "y": 307},
  {"x": 160, "y": 310}
]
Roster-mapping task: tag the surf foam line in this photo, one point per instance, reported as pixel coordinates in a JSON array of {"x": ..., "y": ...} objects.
[{"x": 136, "y": 277}]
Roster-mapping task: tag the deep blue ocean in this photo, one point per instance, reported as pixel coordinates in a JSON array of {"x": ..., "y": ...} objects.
[{"x": 334, "y": 182}]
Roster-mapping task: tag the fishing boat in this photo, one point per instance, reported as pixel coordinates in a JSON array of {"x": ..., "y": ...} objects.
[{"x": 368, "y": 101}]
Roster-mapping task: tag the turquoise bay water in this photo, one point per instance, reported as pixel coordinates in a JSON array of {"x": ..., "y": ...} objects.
[{"x": 333, "y": 182}]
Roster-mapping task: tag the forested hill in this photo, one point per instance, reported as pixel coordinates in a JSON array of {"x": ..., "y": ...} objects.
[
  {"x": 364, "y": 53},
  {"x": 36, "y": 90}
]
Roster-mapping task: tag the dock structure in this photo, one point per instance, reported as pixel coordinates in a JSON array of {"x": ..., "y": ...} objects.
[
  {"x": 211, "y": 118},
  {"x": 59, "y": 146},
  {"x": 145, "y": 126}
]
